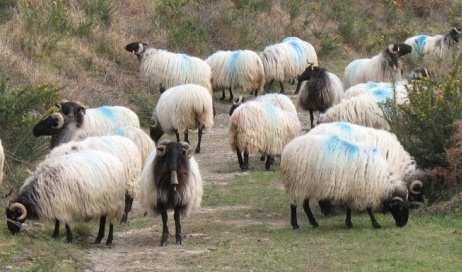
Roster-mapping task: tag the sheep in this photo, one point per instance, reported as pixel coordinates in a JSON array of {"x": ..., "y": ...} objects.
[
  {"x": 381, "y": 91},
  {"x": 162, "y": 69},
  {"x": 361, "y": 110},
  {"x": 257, "y": 126},
  {"x": 182, "y": 108},
  {"x": 74, "y": 122},
  {"x": 286, "y": 60},
  {"x": 78, "y": 186},
  {"x": 2, "y": 162},
  {"x": 171, "y": 180},
  {"x": 382, "y": 67},
  {"x": 278, "y": 100},
  {"x": 438, "y": 46},
  {"x": 321, "y": 91},
  {"x": 240, "y": 69},
  {"x": 120, "y": 147},
  {"x": 142, "y": 140},
  {"x": 316, "y": 167},
  {"x": 399, "y": 160}
]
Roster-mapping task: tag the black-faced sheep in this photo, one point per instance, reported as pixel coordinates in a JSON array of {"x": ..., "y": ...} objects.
[
  {"x": 382, "y": 67},
  {"x": 74, "y": 122},
  {"x": 171, "y": 180},
  {"x": 438, "y": 46},
  {"x": 78, "y": 186},
  {"x": 316, "y": 167},
  {"x": 182, "y": 108},
  {"x": 162, "y": 69}
]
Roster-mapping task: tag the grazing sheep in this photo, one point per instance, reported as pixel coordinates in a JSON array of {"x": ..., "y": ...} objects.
[
  {"x": 182, "y": 108},
  {"x": 142, "y": 140},
  {"x": 78, "y": 186},
  {"x": 361, "y": 110},
  {"x": 399, "y": 160},
  {"x": 162, "y": 69},
  {"x": 438, "y": 46},
  {"x": 171, "y": 181},
  {"x": 120, "y": 147},
  {"x": 261, "y": 127},
  {"x": 241, "y": 69},
  {"x": 321, "y": 91},
  {"x": 382, "y": 67},
  {"x": 2, "y": 162},
  {"x": 316, "y": 167},
  {"x": 75, "y": 122}
]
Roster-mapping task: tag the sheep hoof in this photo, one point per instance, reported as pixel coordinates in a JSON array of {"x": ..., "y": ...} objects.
[
  {"x": 163, "y": 241},
  {"x": 179, "y": 240},
  {"x": 315, "y": 225},
  {"x": 295, "y": 227},
  {"x": 376, "y": 226},
  {"x": 349, "y": 225},
  {"x": 197, "y": 151}
]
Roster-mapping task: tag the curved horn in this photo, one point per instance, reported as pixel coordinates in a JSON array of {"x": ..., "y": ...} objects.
[
  {"x": 162, "y": 148},
  {"x": 397, "y": 198},
  {"x": 22, "y": 208},
  {"x": 59, "y": 117},
  {"x": 187, "y": 149},
  {"x": 416, "y": 187}
]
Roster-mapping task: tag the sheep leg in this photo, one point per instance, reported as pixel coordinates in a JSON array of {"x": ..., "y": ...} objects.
[
  {"x": 199, "y": 139},
  {"x": 348, "y": 222},
  {"x": 186, "y": 136},
  {"x": 68, "y": 234},
  {"x": 239, "y": 158},
  {"x": 110, "y": 236},
  {"x": 56, "y": 230},
  {"x": 309, "y": 214},
  {"x": 293, "y": 216},
  {"x": 246, "y": 160},
  {"x": 299, "y": 84},
  {"x": 177, "y": 135},
  {"x": 282, "y": 87},
  {"x": 165, "y": 233},
  {"x": 223, "y": 94},
  {"x": 255, "y": 92},
  {"x": 263, "y": 157},
  {"x": 231, "y": 96},
  {"x": 375, "y": 224},
  {"x": 176, "y": 216},
  {"x": 128, "y": 207},
  {"x": 102, "y": 228},
  {"x": 269, "y": 162},
  {"x": 312, "y": 118}
]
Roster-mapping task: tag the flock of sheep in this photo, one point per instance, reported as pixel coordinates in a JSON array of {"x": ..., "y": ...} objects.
[{"x": 101, "y": 160}]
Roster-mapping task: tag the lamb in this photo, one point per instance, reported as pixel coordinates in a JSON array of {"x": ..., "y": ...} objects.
[
  {"x": 2, "y": 162},
  {"x": 382, "y": 67},
  {"x": 240, "y": 69},
  {"x": 438, "y": 46},
  {"x": 321, "y": 91},
  {"x": 74, "y": 122},
  {"x": 361, "y": 110},
  {"x": 142, "y": 140},
  {"x": 78, "y": 186},
  {"x": 171, "y": 180},
  {"x": 399, "y": 160},
  {"x": 182, "y": 108},
  {"x": 162, "y": 69},
  {"x": 261, "y": 127},
  {"x": 316, "y": 167},
  {"x": 120, "y": 147}
]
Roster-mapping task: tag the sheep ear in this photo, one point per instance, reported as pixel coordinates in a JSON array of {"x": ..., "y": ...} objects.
[
  {"x": 79, "y": 114},
  {"x": 187, "y": 149}
]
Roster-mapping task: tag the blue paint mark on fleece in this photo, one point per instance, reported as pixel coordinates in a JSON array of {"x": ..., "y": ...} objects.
[
  {"x": 372, "y": 84},
  {"x": 420, "y": 43},
  {"x": 185, "y": 63},
  {"x": 381, "y": 94},
  {"x": 298, "y": 50},
  {"x": 233, "y": 65},
  {"x": 108, "y": 112},
  {"x": 290, "y": 39},
  {"x": 120, "y": 131},
  {"x": 344, "y": 126},
  {"x": 335, "y": 145}
]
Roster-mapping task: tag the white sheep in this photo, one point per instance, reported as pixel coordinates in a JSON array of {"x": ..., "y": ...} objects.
[
  {"x": 163, "y": 69},
  {"x": 171, "y": 180},
  {"x": 316, "y": 167},
  {"x": 261, "y": 127},
  {"x": 237, "y": 70},
  {"x": 182, "y": 108},
  {"x": 382, "y": 67},
  {"x": 320, "y": 90},
  {"x": 74, "y": 122},
  {"x": 121, "y": 147},
  {"x": 431, "y": 47},
  {"x": 142, "y": 140},
  {"x": 399, "y": 160},
  {"x": 2, "y": 162},
  {"x": 74, "y": 187},
  {"x": 361, "y": 110}
]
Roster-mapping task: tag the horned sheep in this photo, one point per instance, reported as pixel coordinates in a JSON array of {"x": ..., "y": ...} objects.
[
  {"x": 171, "y": 180},
  {"x": 316, "y": 167},
  {"x": 182, "y": 108},
  {"x": 78, "y": 186}
]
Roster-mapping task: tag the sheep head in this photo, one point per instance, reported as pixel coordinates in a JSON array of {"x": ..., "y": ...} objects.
[
  {"x": 155, "y": 131},
  {"x": 454, "y": 33},
  {"x": 236, "y": 103},
  {"x": 69, "y": 113},
  {"x": 398, "y": 206},
  {"x": 16, "y": 214},
  {"x": 399, "y": 49},
  {"x": 137, "y": 48}
]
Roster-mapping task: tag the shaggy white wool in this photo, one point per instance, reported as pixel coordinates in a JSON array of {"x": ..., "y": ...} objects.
[
  {"x": 260, "y": 127},
  {"x": 184, "y": 107},
  {"x": 381, "y": 91},
  {"x": 279, "y": 100},
  {"x": 142, "y": 140},
  {"x": 320, "y": 167},
  {"x": 78, "y": 186},
  {"x": 166, "y": 69}
]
